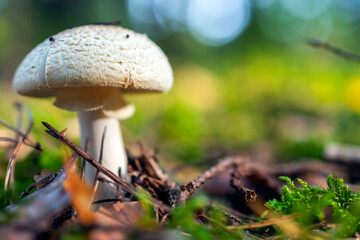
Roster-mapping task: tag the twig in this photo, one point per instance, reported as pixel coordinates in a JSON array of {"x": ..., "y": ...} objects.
[
  {"x": 5, "y": 124},
  {"x": 30, "y": 120},
  {"x": 334, "y": 50},
  {"x": 125, "y": 185},
  {"x": 87, "y": 147},
  {"x": 221, "y": 226},
  {"x": 232, "y": 213},
  {"x": 235, "y": 182},
  {"x": 96, "y": 181},
  {"x": 107, "y": 200},
  {"x": 189, "y": 189},
  {"x": 27, "y": 191},
  {"x": 53, "y": 132},
  {"x": 36, "y": 145},
  {"x": 26, "y": 142},
  {"x": 11, "y": 164},
  {"x": 152, "y": 167},
  {"x": 44, "y": 180},
  {"x": 270, "y": 222},
  {"x": 72, "y": 159},
  {"x": 105, "y": 180},
  {"x": 163, "y": 219},
  {"x": 18, "y": 107}
]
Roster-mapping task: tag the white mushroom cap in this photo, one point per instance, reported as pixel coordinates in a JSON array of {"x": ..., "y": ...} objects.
[{"x": 93, "y": 64}]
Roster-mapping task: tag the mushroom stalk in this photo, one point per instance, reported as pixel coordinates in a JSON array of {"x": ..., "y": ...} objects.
[{"x": 114, "y": 157}]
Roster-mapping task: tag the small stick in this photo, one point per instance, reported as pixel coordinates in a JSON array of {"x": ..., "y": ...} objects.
[
  {"x": 235, "y": 182},
  {"x": 11, "y": 164},
  {"x": 266, "y": 223},
  {"x": 189, "y": 189},
  {"x": 335, "y": 50},
  {"x": 153, "y": 167},
  {"x": 24, "y": 135},
  {"x": 220, "y": 225},
  {"x": 96, "y": 181},
  {"x": 87, "y": 147},
  {"x": 48, "y": 179},
  {"x": 232, "y": 213},
  {"x": 27, "y": 191},
  {"x": 107, "y": 200},
  {"x": 18, "y": 107},
  {"x": 53, "y": 132},
  {"x": 163, "y": 219},
  {"x": 36, "y": 145},
  {"x": 5, "y": 124},
  {"x": 105, "y": 180},
  {"x": 125, "y": 185},
  {"x": 26, "y": 142}
]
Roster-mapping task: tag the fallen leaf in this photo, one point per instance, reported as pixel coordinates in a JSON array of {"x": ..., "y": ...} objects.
[{"x": 80, "y": 195}]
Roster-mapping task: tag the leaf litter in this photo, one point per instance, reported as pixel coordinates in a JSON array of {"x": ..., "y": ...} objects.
[{"x": 225, "y": 202}]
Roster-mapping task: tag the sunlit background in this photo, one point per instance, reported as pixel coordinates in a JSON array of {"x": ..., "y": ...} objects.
[{"x": 244, "y": 78}]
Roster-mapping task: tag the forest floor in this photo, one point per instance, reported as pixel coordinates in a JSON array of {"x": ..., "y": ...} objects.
[{"x": 238, "y": 198}]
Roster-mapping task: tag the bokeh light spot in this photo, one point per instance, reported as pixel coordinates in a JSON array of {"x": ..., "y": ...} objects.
[
  {"x": 263, "y": 3},
  {"x": 2, "y": 4},
  {"x": 198, "y": 88},
  {"x": 142, "y": 17},
  {"x": 217, "y": 22},
  {"x": 305, "y": 9},
  {"x": 171, "y": 14},
  {"x": 352, "y": 96}
]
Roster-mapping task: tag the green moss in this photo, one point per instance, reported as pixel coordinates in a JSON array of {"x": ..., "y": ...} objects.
[{"x": 309, "y": 202}]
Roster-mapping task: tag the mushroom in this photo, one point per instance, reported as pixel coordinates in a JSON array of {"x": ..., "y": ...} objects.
[{"x": 87, "y": 69}]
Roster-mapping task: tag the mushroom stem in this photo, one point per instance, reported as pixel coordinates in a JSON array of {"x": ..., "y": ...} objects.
[{"x": 114, "y": 157}]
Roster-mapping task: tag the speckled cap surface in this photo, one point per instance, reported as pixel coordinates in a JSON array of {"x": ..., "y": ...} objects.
[{"x": 94, "y": 56}]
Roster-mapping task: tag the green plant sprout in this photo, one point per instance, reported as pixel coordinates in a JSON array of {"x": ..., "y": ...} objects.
[{"x": 311, "y": 203}]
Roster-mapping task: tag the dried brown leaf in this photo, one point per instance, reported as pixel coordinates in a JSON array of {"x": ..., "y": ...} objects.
[{"x": 80, "y": 195}]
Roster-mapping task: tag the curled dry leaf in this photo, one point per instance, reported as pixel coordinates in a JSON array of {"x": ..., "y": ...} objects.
[{"x": 80, "y": 195}]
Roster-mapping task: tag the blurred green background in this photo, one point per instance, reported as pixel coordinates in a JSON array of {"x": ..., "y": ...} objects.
[{"x": 244, "y": 78}]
